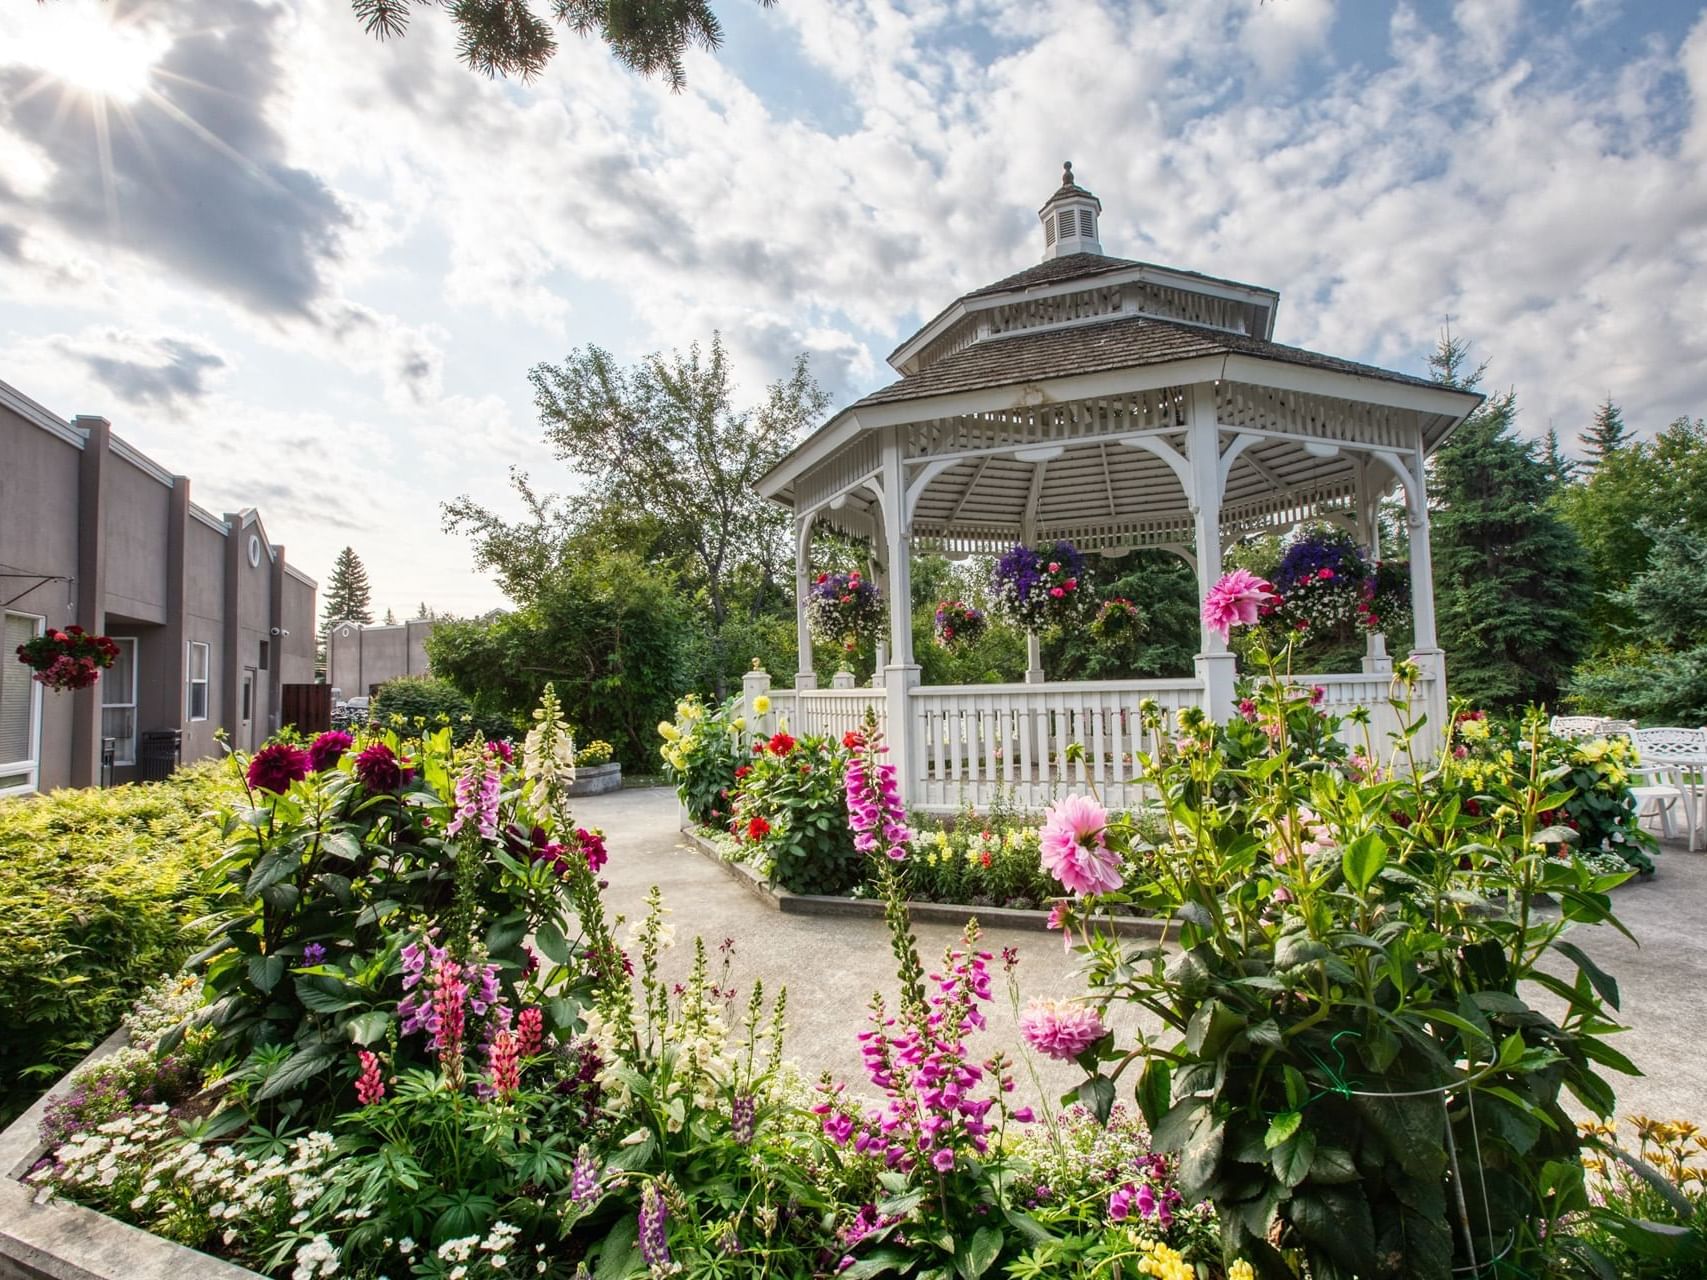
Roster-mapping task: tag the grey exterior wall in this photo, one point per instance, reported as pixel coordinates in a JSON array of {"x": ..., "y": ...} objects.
[
  {"x": 359, "y": 659},
  {"x": 126, "y": 553}
]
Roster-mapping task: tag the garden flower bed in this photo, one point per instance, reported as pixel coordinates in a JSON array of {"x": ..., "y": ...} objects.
[{"x": 415, "y": 1044}]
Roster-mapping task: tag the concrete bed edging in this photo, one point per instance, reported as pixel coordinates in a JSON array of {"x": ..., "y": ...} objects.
[
  {"x": 43, "y": 1239},
  {"x": 817, "y": 904}
]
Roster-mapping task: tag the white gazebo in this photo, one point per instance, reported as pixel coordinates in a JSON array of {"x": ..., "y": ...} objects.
[{"x": 1116, "y": 405}]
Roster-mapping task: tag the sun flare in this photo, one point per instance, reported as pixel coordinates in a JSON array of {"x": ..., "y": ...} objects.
[{"x": 91, "y": 47}]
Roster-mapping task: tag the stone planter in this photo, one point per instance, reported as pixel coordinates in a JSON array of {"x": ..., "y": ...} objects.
[
  {"x": 59, "y": 1240},
  {"x": 595, "y": 780}
]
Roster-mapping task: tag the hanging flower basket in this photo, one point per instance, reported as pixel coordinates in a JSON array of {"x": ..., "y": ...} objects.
[
  {"x": 1039, "y": 587},
  {"x": 1320, "y": 584},
  {"x": 68, "y": 659},
  {"x": 958, "y": 626},
  {"x": 1386, "y": 599},
  {"x": 844, "y": 607},
  {"x": 1118, "y": 621}
]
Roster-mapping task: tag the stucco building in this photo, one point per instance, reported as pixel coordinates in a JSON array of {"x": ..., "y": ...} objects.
[
  {"x": 361, "y": 658},
  {"x": 211, "y": 620}
]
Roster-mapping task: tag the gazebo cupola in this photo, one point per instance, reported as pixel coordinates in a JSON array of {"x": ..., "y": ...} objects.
[{"x": 1070, "y": 219}]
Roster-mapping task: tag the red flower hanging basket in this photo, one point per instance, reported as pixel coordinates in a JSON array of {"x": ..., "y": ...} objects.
[{"x": 68, "y": 659}]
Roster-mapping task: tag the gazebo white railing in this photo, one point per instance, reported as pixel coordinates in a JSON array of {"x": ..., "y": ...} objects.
[{"x": 1116, "y": 405}]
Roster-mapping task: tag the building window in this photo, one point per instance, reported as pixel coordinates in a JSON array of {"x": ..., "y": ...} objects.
[
  {"x": 263, "y": 655},
  {"x": 20, "y": 707},
  {"x": 118, "y": 701},
  {"x": 200, "y": 657}
]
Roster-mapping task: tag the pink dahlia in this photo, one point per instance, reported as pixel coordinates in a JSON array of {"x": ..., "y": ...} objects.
[
  {"x": 1235, "y": 600},
  {"x": 1075, "y": 847},
  {"x": 1060, "y": 1029}
]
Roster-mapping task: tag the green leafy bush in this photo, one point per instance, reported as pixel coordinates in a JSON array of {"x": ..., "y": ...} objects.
[
  {"x": 1350, "y": 1002},
  {"x": 97, "y": 892},
  {"x": 414, "y": 702},
  {"x": 701, "y": 751},
  {"x": 789, "y": 812}
]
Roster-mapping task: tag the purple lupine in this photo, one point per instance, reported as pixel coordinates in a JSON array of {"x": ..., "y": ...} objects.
[
  {"x": 313, "y": 953},
  {"x": 743, "y": 1119},
  {"x": 584, "y": 1178},
  {"x": 477, "y": 798},
  {"x": 654, "y": 1236}
]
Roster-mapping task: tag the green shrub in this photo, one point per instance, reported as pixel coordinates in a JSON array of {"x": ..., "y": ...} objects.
[
  {"x": 701, "y": 751},
  {"x": 435, "y": 702},
  {"x": 97, "y": 890},
  {"x": 790, "y": 807}
]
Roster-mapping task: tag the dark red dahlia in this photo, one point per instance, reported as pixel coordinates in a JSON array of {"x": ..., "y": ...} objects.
[
  {"x": 326, "y": 750},
  {"x": 378, "y": 768},
  {"x": 274, "y": 767}
]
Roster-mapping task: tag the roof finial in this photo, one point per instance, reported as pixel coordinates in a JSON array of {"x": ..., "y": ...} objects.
[{"x": 1066, "y": 173}]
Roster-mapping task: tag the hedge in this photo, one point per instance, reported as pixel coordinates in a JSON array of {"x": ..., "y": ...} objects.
[{"x": 98, "y": 891}]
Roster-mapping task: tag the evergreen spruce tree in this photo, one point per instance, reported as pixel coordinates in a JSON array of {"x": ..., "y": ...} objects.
[
  {"x": 347, "y": 595},
  {"x": 1561, "y": 468},
  {"x": 1606, "y": 434},
  {"x": 390, "y": 618},
  {"x": 1507, "y": 570}
]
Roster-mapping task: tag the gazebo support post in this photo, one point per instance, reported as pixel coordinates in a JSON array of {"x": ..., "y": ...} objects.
[
  {"x": 1375, "y": 658},
  {"x": 1033, "y": 658},
  {"x": 1425, "y": 651},
  {"x": 1216, "y": 668},
  {"x": 900, "y": 674},
  {"x": 805, "y": 676}
]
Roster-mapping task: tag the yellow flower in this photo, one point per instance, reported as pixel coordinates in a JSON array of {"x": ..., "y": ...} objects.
[
  {"x": 738, "y": 725},
  {"x": 667, "y": 731},
  {"x": 761, "y": 704},
  {"x": 1474, "y": 730},
  {"x": 1241, "y": 1270}
]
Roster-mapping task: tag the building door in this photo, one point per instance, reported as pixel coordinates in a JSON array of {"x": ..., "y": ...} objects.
[{"x": 246, "y": 712}]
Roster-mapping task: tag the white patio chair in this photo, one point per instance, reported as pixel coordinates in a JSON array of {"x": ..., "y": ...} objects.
[
  {"x": 1675, "y": 758},
  {"x": 1574, "y": 727}
]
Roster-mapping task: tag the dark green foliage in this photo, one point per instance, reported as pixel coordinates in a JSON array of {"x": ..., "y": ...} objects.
[
  {"x": 610, "y": 631},
  {"x": 1662, "y": 676},
  {"x": 1615, "y": 510},
  {"x": 433, "y": 702},
  {"x": 97, "y": 893},
  {"x": 1163, "y": 587},
  {"x": 348, "y": 593},
  {"x": 1506, "y": 567},
  {"x": 507, "y": 38},
  {"x": 670, "y": 468}
]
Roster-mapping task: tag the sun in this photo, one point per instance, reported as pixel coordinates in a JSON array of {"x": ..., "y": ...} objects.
[{"x": 91, "y": 47}]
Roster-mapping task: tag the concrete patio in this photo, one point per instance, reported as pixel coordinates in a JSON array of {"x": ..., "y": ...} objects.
[{"x": 832, "y": 965}]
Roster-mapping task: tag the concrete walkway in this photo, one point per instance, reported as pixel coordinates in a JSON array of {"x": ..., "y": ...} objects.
[{"x": 831, "y": 966}]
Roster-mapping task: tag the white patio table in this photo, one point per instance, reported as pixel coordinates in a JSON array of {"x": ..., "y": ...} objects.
[{"x": 1680, "y": 755}]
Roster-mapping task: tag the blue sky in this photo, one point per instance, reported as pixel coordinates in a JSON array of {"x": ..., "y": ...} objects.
[{"x": 312, "y": 270}]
